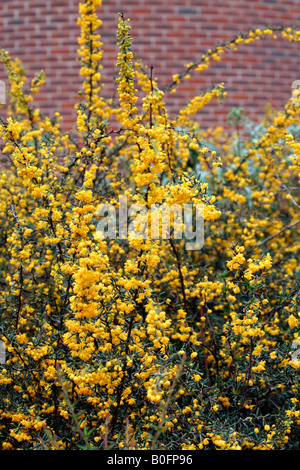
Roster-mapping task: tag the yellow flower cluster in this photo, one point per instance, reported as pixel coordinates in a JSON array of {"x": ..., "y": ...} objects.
[
  {"x": 139, "y": 342},
  {"x": 246, "y": 38}
]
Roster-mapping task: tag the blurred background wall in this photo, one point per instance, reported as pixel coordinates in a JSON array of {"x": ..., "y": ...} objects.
[{"x": 166, "y": 34}]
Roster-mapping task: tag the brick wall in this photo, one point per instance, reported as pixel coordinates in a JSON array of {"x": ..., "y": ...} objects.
[{"x": 166, "y": 34}]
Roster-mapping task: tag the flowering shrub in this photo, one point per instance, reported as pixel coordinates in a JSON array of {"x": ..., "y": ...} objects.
[{"x": 139, "y": 343}]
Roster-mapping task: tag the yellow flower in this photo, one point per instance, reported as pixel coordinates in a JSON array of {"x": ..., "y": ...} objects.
[{"x": 293, "y": 321}]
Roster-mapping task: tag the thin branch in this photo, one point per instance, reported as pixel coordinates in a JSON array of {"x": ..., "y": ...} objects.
[
  {"x": 180, "y": 274},
  {"x": 167, "y": 404},
  {"x": 266, "y": 240},
  {"x": 150, "y": 107},
  {"x": 20, "y": 268}
]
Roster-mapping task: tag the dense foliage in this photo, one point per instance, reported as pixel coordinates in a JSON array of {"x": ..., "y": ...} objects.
[{"x": 139, "y": 343}]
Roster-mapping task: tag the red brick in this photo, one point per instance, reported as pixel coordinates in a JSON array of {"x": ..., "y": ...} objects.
[{"x": 166, "y": 35}]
